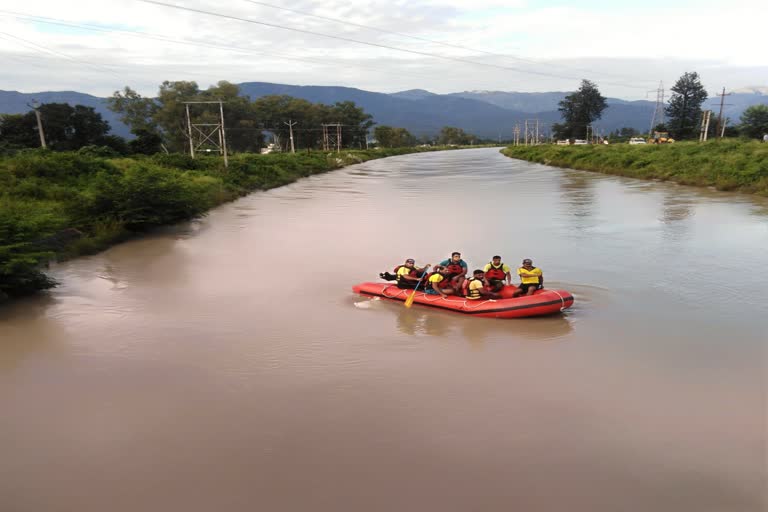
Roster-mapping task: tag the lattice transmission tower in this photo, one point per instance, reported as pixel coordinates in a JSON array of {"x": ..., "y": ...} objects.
[
  {"x": 658, "y": 112},
  {"x": 332, "y": 137}
]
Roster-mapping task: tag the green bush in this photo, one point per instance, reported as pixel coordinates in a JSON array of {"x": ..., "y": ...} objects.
[
  {"x": 725, "y": 164},
  {"x": 70, "y": 203},
  {"x": 22, "y": 223},
  {"x": 102, "y": 151},
  {"x": 145, "y": 196}
]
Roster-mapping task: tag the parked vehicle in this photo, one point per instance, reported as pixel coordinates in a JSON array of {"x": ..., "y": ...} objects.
[
  {"x": 661, "y": 138},
  {"x": 563, "y": 142},
  {"x": 580, "y": 142},
  {"x": 637, "y": 140}
]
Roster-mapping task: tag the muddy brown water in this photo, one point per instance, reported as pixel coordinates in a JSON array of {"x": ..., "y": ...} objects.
[{"x": 224, "y": 364}]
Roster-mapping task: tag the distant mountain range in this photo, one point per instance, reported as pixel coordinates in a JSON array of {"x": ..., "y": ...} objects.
[{"x": 484, "y": 113}]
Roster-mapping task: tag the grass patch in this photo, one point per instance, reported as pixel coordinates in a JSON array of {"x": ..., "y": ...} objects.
[{"x": 736, "y": 165}]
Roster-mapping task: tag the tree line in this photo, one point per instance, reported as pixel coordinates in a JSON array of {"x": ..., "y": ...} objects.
[
  {"x": 393, "y": 137},
  {"x": 684, "y": 111},
  {"x": 159, "y": 124}
]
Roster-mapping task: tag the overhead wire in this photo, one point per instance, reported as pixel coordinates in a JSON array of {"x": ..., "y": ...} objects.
[
  {"x": 368, "y": 43},
  {"x": 157, "y": 37},
  {"x": 39, "y": 48},
  {"x": 433, "y": 41}
]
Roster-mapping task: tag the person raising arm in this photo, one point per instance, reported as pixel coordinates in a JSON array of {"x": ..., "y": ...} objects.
[{"x": 408, "y": 274}]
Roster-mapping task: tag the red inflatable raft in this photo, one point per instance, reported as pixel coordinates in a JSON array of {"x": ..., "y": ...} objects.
[{"x": 542, "y": 302}]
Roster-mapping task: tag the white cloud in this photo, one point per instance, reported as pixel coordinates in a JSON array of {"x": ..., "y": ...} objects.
[{"x": 623, "y": 45}]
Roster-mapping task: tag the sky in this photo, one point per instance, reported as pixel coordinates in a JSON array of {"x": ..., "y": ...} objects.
[{"x": 626, "y": 48}]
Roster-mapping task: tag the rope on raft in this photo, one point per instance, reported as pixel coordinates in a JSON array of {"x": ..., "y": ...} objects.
[{"x": 561, "y": 300}]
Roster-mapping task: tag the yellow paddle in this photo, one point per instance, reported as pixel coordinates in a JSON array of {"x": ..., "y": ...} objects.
[{"x": 409, "y": 300}]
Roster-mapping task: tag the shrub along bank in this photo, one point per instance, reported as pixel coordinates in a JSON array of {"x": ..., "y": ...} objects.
[
  {"x": 65, "y": 204},
  {"x": 737, "y": 165}
]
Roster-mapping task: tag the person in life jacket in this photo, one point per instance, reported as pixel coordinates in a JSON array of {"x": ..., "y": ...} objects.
[
  {"x": 474, "y": 287},
  {"x": 496, "y": 273},
  {"x": 531, "y": 279},
  {"x": 457, "y": 270},
  {"x": 410, "y": 265},
  {"x": 408, "y": 275},
  {"x": 439, "y": 283}
]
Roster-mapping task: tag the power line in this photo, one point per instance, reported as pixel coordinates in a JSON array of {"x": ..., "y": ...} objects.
[
  {"x": 37, "y": 47},
  {"x": 425, "y": 39},
  {"x": 26, "y": 59},
  {"x": 377, "y": 45},
  {"x": 157, "y": 37},
  {"x": 368, "y": 27}
]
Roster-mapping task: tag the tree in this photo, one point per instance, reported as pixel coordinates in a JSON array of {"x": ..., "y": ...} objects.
[
  {"x": 356, "y": 122},
  {"x": 453, "y": 135},
  {"x": 754, "y": 121},
  {"x": 390, "y": 137},
  {"x": 165, "y": 116},
  {"x": 115, "y": 143},
  {"x": 579, "y": 110},
  {"x": 88, "y": 127},
  {"x": 244, "y": 120},
  {"x": 136, "y": 111},
  {"x": 684, "y": 109},
  {"x": 66, "y": 127},
  {"x": 147, "y": 142},
  {"x": 627, "y": 132},
  {"x": 274, "y": 111},
  {"x": 19, "y": 130}
]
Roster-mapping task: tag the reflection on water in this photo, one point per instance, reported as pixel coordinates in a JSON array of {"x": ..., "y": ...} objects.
[
  {"x": 676, "y": 208},
  {"x": 577, "y": 193},
  {"x": 423, "y": 321},
  {"x": 225, "y": 362}
]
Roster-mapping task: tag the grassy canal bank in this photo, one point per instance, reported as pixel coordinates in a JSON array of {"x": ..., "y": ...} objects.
[
  {"x": 66, "y": 204},
  {"x": 735, "y": 165}
]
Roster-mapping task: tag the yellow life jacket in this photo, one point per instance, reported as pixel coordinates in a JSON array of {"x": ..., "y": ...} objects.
[{"x": 470, "y": 293}]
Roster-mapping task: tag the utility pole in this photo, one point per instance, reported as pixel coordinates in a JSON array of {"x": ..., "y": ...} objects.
[
  {"x": 189, "y": 134},
  {"x": 290, "y": 131},
  {"x": 705, "y": 117},
  {"x": 223, "y": 134},
  {"x": 720, "y": 123},
  {"x": 40, "y": 132}
]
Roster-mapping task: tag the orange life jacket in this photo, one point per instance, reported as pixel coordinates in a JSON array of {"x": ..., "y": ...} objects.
[
  {"x": 455, "y": 269},
  {"x": 496, "y": 272}
]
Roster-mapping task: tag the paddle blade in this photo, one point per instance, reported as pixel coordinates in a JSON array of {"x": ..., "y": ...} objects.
[{"x": 409, "y": 300}]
